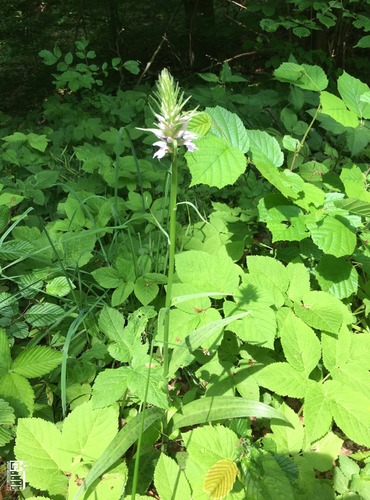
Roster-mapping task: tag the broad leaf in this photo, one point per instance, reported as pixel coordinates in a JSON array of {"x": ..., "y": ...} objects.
[
  {"x": 109, "y": 386},
  {"x": 269, "y": 267},
  {"x": 299, "y": 280},
  {"x": 351, "y": 90},
  {"x": 229, "y": 126},
  {"x": 17, "y": 391},
  {"x": 215, "y": 162},
  {"x": 300, "y": 344},
  {"x": 220, "y": 479},
  {"x": 44, "y": 314},
  {"x": 302, "y": 75},
  {"x": 205, "y": 447},
  {"x": 180, "y": 355},
  {"x": 140, "y": 377},
  {"x": 265, "y": 149},
  {"x": 208, "y": 272},
  {"x": 87, "y": 432},
  {"x": 40, "y": 445},
  {"x": 288, "y": 439},
  {"x": 333, "y": 235},
  {"x": 7, "y": 421},
  {"x": 336, "y": 348},
  {"x": 321, "y": 310},
  {"x": 336, "y": 109},
  {"x": 316, "y": 411},
  {"x": 337, "y": 276},
  {"x": 170, "y": 481},
  {"x": 36, "y": 361},
  {"x": 126, "y": 437},
  {"x": 283, "y": 379},
  {"x": 351, "y": 412}
]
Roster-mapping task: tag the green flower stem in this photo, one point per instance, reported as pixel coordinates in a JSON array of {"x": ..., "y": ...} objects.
[{"x": 171, "y": 263}]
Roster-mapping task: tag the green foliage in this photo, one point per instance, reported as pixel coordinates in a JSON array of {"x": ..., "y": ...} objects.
[{"x": 268, "y": 308}]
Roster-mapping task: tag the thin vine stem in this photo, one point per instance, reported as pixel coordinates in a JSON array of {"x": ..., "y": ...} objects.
[{"x": 297, "y": 151}]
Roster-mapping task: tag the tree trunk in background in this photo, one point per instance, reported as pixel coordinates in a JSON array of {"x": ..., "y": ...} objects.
[{"x": 200, "y": 22}]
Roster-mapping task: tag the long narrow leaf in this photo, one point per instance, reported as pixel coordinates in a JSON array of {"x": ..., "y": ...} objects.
[
  {"x": 197, "y": 338},
  {"x": 118, "y": 447},
  {"x": 208, "y": 409}
]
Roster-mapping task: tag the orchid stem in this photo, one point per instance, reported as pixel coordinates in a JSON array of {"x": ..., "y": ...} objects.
[{"x": 171, "y": 263}]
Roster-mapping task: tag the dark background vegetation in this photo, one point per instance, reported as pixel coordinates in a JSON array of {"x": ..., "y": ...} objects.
[{"x": 188, "y": 36}]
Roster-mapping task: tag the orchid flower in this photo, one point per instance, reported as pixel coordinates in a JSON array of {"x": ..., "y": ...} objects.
[{"x": 172, "y": 122}]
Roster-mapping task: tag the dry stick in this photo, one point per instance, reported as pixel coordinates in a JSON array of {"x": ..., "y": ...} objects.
[{"x": 164, "y": 39}]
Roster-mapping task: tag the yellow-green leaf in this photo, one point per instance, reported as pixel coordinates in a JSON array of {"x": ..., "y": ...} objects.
[{"x": 220, "y": 479}]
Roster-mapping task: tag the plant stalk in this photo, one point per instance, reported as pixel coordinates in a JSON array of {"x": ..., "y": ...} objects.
[{"x": 171, "y": 263}]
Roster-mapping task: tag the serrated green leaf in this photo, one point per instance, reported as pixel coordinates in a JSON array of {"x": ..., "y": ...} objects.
[
  {"x": 259, "y": 327},
  {"x": 87, "y": 432},
  {"x": 316, "y": 411},
  {"x": 208, "y": 272},
  {"x": 336, "y": 348},
  {"x": 145, "y": 290},
  {"x": 10, "y": 199},
  {"x": 59, "y": 286},
  {"x": 111, "y": 322},
  {"x": 355, "y": 183},
  {"x": 212, "y": 408},
  {"x": 169, "y": 480},
  {"x": 321, "y": 454},
  {"x": 220, "y": 479},
  {"x": 109, "y": 386},
  {"x": 107, "y": 277},
  {"x": 39, "y": 142},
  {"x": 353, "y": 377},
  {"x": 17, "y": 391},
  {"x": 200, "y": 124},
  {"x": 215, "y": 162},
  {"x": 333, "y": 235},
  {"x": 7, "y": 421},
  {"x": 303, "y": 75},
  {"x": 121, "y": 293},
  {"x": 351, "y": 89},
  {"x": 320, "y": 310},
  {"x": 126, "y": 437},
  {"x": 360, "y": 351},
  {"x": 286, "y": 222},
  {"x": 300, "y": 344},
  {"x": 229, "y": 126},
  {"x": 337, "y": 276},
  {"x": 336, "y": 109},
  {"x": 139, "y": 378},
  {"x": 288, "y": 439},
  {"x": 36, "y": 361},
  {"x": 44, "y": 314},
  {"x": 351, "y": 411},
  {"x": 299, "y": 280},
  {"x": 269, "y": 267},
  {"x": 265, "y": 149},
  {"x": 354, "y": 206},
  {"x": 206, "y": 446},
  {"x": 39, "y": 444},
  {"x": 283, "y": 379}
]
